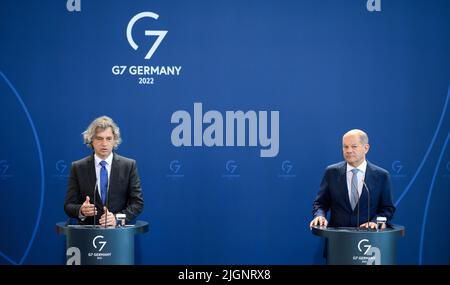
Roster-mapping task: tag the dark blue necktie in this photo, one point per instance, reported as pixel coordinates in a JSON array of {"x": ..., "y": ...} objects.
[
  {"x": 103, "y": 181},
  {"x": 354, "y": 189}
]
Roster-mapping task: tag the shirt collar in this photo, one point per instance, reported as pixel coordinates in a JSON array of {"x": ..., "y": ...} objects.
[
  {"x": 362, "y": 167},
  {"x": 108, "y": 159}
]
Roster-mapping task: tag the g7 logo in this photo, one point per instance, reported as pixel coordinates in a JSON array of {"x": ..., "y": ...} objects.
[
  {"x": 286, "y": 166},
  {"x": 160, "y": 34},
  {"x": 175, "y": 166},
  {"x": 61, "y": 166},
  {"x": 3, "y": 167},
  {"x": 102, "y": 243},
  {"x": 397, "y": 166},
  {"x": 231, "y": 166},
  {"x": 368, "y": 246},
  {"x": 372, "y": 251}
]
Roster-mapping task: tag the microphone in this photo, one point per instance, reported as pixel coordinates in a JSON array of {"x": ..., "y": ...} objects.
[
  {"x": 368, "y": 201},
  {"x": 107, "y": 203},
  {"x": 95, "y": 205}
]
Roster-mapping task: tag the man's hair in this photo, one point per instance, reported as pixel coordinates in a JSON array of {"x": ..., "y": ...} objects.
[
  {"x": 363, "y": 137},
  {"x": 101, "y": 123}
]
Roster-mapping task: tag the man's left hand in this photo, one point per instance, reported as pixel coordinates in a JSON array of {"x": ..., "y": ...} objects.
[
  {"x": 371, "y": 225},
  {"x": 109, "y": 218}
]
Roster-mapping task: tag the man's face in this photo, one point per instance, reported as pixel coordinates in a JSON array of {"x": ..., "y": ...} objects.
[
  {"x": 103, "y": 142},
  {"x": 354, "y": 152}
]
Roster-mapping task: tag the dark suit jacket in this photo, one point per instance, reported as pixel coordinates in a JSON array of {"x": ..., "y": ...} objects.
[
  {"x": 333, "y": 196},
  {"x": 125, "y": 192}
]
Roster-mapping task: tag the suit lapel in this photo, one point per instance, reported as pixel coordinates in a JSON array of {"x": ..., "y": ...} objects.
[
  {"x": 91, "y": 171},
  {"x": 92, "y": 178},
  {"x": 343, "y": 185},
  {"x": 370, "y": 180},
  {"x": 114, "y": 176}
]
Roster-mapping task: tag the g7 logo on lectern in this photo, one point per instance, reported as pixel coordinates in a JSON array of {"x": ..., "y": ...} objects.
[
  {"x": 367, "y": 246},
  {"x": 159, "y": 34},
  {"x": 102, "y": 243},
  {"x": 371, "y": 254}
]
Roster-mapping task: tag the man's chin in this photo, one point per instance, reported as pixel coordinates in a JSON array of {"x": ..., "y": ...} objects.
[{"x": 103, "y": 154}]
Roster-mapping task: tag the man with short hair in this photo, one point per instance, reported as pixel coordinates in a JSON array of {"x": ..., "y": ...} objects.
[{"x": 351, "y": 182}]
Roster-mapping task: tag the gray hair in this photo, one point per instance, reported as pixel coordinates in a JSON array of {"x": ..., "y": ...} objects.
[
  {"x": 101, "y": 123},
  {"x": 363, "y": 137}
]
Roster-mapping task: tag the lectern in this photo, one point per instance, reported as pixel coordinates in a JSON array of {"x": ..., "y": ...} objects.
[
  {"x": 356, "y": 246},
  {"x": 96, "y": 245}
]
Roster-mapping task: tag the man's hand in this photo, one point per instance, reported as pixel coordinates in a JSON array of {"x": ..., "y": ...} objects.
[
  {"x": 88, "y": 209},
  {"x": 107, "y": 218},
  {"x": 318, "y": 221},
  {"x": 372, "y": 226}
]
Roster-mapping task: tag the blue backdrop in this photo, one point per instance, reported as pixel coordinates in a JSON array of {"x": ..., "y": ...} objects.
[{"x": 326, "y": 66}]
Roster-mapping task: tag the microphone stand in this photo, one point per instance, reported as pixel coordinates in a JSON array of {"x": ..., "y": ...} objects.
[
  {"x": 106, "y": 217},
  {"x": 106, "y": 205},
  {"x": 368, "y": 202},
  {"x": 95, "y": 206}
]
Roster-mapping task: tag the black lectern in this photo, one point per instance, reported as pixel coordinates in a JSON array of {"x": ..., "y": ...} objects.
[
  {"x": 354, "y": 246},
  {"x": 96, "y": 245}
]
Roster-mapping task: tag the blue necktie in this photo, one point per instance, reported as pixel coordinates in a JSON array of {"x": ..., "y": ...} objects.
[
  {"x": 103, "y": 181},
  {"x": 354, "y": 189}
]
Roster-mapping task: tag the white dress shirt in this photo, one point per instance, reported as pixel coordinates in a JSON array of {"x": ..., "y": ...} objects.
[
  {"x": 98, "y": 167},
  {"x": 360, "y": 174}
]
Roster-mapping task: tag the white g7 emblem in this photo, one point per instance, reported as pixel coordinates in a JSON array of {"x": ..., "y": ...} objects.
[
  {"x": 102, "y": 243},
  {"x": 160, "y": 34},
  {"x": 368, "y": 246}
]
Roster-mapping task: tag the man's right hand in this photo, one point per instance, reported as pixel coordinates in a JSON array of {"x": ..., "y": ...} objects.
[
  {"x": 87, "y": 209},
  {"x": 318, "y": 221}
]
